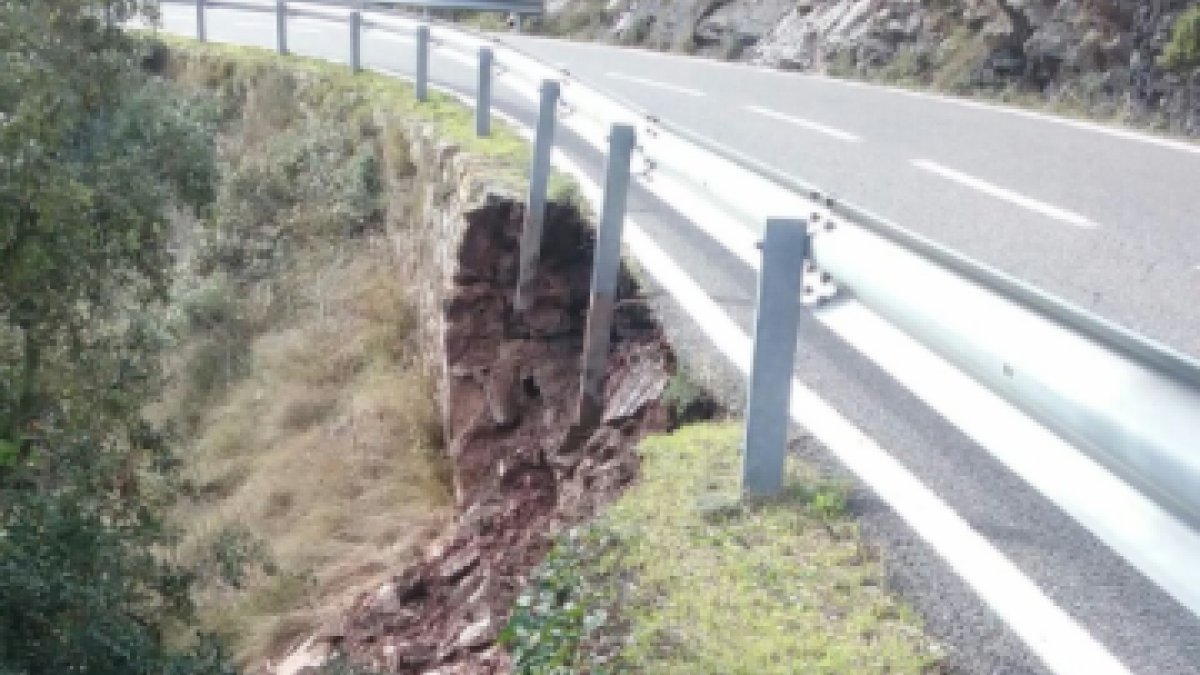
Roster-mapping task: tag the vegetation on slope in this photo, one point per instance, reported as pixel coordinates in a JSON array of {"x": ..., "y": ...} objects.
[
  {"x": 1182, "y": 52},
  {"x": 93, "y": 153},
  {"x": 316, "y": 449},
  {"x": 678, "y": 577}
]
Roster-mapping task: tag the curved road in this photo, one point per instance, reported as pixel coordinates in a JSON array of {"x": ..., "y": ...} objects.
[
  {"x": 1106, "y": 218},
  {"x": 1103, "y": 217}
]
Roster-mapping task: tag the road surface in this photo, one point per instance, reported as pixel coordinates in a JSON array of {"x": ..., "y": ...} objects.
[{"x": 1102, "y": 217}]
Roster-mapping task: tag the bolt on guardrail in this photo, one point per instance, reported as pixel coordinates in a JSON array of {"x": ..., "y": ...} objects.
[
  {"x": 535, "y": 204},
  {"x": 483, "y": 94},
  {"x": 422, "y": 75},
  {"x": 281, "y": 14},
  {"x": 785, "y": 249},
  {"x": 606, "y": 266}
]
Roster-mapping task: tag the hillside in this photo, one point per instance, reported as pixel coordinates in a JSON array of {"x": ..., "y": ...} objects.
[{"x": 1131, "y": 61}]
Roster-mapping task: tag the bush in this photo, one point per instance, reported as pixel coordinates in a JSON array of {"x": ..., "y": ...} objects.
[{"x": 1183, "y": 51}]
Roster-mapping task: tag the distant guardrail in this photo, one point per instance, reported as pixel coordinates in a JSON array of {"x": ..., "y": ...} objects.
[
  {"x": 1129, "y": 402},
  {"x": 520, "y": 7}
]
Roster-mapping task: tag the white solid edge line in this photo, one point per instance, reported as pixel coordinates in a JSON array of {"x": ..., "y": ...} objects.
[
  {"x": 1160, "y": 546},
  {"x": 1049, "y": 632},
  {"x": 1152, "y": 540},
  {"x": 1005, "y": 194},
  {"x": 806, "y": 124},
  {"x": 655, "y": 83},
  {"x": 1139, "y": 530}
]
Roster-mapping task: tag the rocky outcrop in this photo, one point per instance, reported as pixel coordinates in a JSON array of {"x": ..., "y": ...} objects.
[{"x": 1098, "y": 57}]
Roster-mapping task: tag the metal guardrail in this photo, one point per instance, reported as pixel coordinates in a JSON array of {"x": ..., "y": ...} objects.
[
  {"x": 528, "y": 7},
  {"x": 1131, "y": 403}
]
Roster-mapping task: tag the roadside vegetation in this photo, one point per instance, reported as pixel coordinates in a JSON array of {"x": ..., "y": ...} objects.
[
  {"x": 1183, "y": 51},
  {"x": 313, "y": 433},
  {"x": 93, "y": 156},
  {"x": 215, "y": 418},
  {"x": 217, "y": 423},
  {"x": 315, "y": 449},
  {"x": 680, "y": 577}
]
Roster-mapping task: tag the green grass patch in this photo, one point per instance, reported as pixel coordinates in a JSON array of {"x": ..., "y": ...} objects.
[
  {"x": 358, "y": 98},
  {"x": 679, "y": 577}
]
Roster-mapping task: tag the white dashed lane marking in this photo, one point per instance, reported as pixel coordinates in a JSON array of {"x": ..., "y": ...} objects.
[
  {"x": 1005, "y": 194},
  {"x": 806, "y": 124},
  {"x": 659, "y": 85}
]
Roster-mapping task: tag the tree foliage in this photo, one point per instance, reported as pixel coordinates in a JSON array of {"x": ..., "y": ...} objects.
[
  {"x": 94, "y": 156},
  {"x": 1183, "y": 50}
]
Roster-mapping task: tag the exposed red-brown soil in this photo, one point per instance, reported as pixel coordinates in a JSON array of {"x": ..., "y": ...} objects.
[{"x": 522, "y": 467}]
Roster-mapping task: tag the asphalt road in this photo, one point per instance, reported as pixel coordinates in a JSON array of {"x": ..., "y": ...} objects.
[
  {"x": 1109, "y": 222},
  {"x": 1099, "y": 218}
]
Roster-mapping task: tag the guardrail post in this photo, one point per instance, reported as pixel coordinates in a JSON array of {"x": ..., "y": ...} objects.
[
  {"x": 201, "y": 29},
  {"x": 281, "y": 13},
  {"x": 606, "y": 267},
  {"x": 483, "y": 94},
  {"x": 423, "y": 63},
  {"x": 535, "y": 205},
  {"x": 784, "y": 251},
  {"x": 355, "y": 41}
]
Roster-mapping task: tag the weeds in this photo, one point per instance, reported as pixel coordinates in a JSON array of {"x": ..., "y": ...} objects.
[{"x": 681, "y": 577}]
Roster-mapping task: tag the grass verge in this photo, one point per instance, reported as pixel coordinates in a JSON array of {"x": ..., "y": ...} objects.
[
  {"x": 680, "y": 578},
  {"x": 358, "y": 98}
]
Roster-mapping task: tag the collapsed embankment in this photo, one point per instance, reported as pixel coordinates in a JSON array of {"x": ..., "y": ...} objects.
[
  {"x": 519, "y": 467},
  {"x": 522, "y": 467}
]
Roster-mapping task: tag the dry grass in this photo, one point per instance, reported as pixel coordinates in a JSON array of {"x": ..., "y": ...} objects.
[{"x": 326, "y": 450}]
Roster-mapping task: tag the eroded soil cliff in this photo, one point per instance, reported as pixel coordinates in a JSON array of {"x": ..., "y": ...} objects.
[{"x": 522, "y": 467}]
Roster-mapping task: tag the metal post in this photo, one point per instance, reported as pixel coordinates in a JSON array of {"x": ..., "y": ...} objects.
[
  {"x": 201, "y": 29},
  {"x": 423, "y": 63},
  {"x": 535, "y": 205},
  {"x": 483, "y": 94},
  {"x": 517, "y": 23},
  {"x": 355, "y": 41},
  {"x": 281, "y": 14},
  {"x": 785, "y": 249},
  {"x": 606, "y": 266}
]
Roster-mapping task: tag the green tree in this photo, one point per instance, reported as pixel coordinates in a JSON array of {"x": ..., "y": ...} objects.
[
  {"x": 95, "y": 155},
  {"x": 1183, "y": 51}
]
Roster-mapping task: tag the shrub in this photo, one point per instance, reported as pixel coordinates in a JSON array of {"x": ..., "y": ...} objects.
[{"x": 1183, "y": 50}]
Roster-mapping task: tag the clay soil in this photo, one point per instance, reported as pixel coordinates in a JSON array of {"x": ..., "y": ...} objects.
[{"x": 523, "y": 468}]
